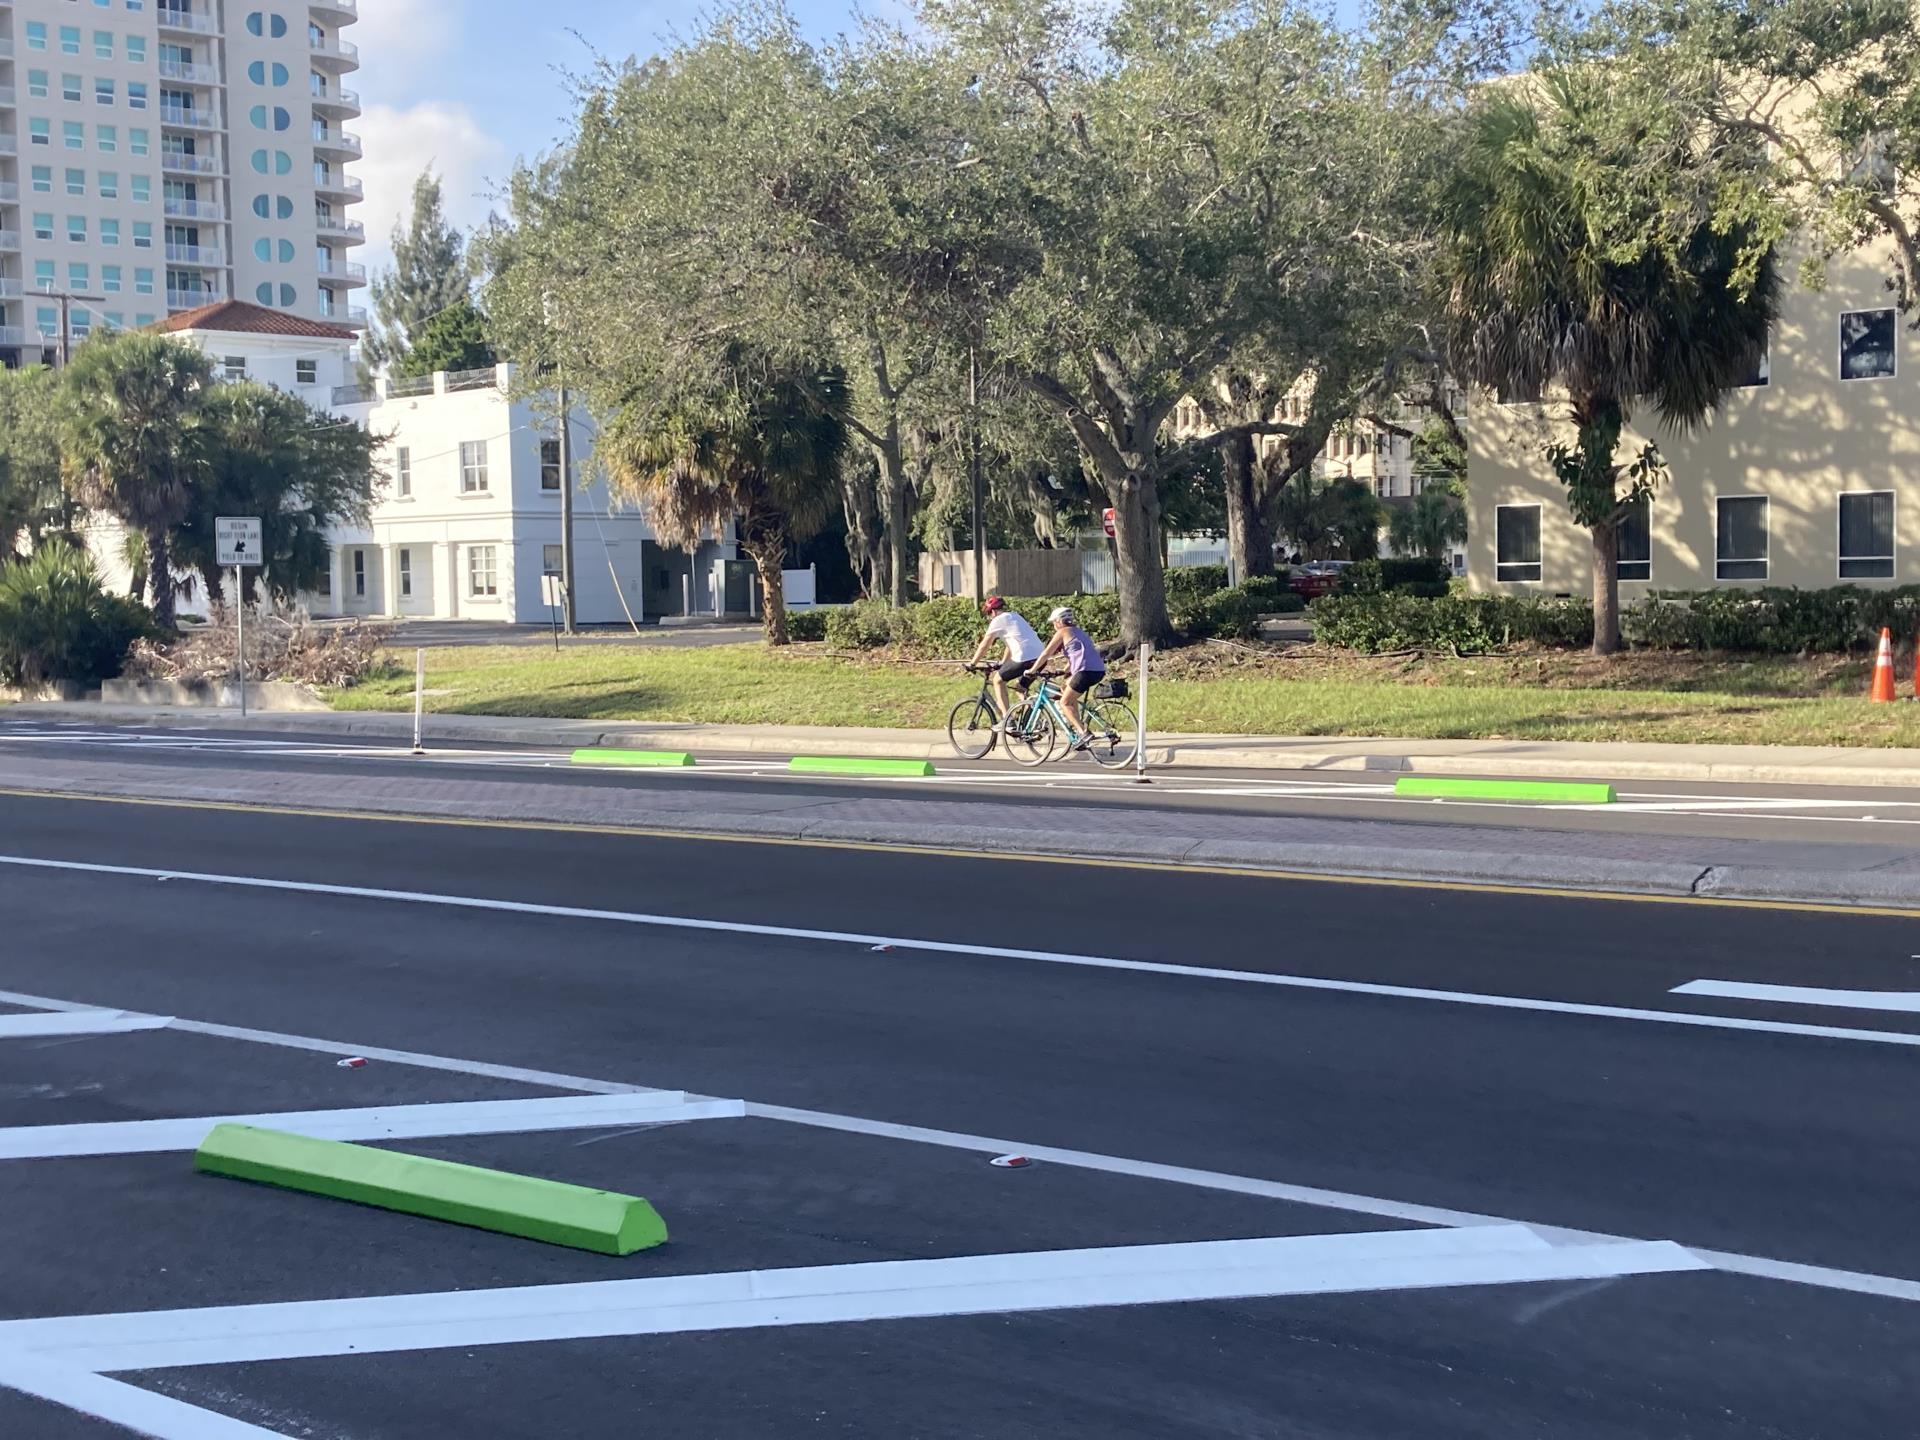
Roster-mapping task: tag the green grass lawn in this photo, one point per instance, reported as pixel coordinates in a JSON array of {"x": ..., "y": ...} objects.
[{"x": 1761, "y": 701}]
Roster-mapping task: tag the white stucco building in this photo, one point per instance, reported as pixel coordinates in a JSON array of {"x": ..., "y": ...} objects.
[{"x": 467, "y": 520}]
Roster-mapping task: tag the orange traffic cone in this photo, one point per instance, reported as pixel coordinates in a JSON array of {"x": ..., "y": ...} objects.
[{"x": 1883, "y": 671}]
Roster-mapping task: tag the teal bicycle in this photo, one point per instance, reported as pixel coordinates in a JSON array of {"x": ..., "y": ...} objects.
[{"x": 1037, "y": 727}]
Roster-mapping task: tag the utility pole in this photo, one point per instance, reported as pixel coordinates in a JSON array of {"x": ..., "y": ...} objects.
[
  {"x": 979, "y": 481},
  {"x": 566, "y": 505},
  {"x": 63, "y": 343}
]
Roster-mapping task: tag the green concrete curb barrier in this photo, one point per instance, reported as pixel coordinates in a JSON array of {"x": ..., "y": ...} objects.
[
  {"x": 1543, "y": 792},
  {"x": 854, "y": 765},
  {"x": 632, "y": 757},
  {"x": 523, "y": 1205}
]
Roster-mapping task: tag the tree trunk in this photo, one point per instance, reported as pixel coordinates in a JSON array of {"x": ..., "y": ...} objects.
[
  {"x": 1249, "y": 531},
  {"x": 1606, "y": 588},
  {"x": 894, "y": 479},
  {"x": 768, "y": 553},
  {"x": 1137, "y": 563},
  {"x": 160, "y": 576}
]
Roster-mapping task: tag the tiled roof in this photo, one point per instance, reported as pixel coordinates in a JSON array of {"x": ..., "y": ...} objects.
[{"x": 240, "y": 317}]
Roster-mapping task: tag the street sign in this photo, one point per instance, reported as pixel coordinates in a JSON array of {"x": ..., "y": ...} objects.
[
  {"x": 1106, "y": 522},
  {"x": 237, "y": 540},
  {"x": 553, "y": 592}
]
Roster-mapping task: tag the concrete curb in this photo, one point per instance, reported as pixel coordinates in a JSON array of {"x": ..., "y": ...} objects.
[{"x": 1587, "y": 875}]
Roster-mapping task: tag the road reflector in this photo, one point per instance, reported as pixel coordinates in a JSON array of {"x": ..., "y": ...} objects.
[
  {"x": 1010, "y": 1162},
  {"x": 857, "y": 765},
  {"x": 1538, "y": 792},
  {"x": 673, "y": 758},
  {"x": 524, "y": 1205},
  {"x": 352, "y": 1062}
]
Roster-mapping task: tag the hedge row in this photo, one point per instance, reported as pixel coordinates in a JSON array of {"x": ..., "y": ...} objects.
[
  {"x": 1770, "y": 621},
  {"x": 950, "y": 628},
  {"x": 1469, "y": 624}
]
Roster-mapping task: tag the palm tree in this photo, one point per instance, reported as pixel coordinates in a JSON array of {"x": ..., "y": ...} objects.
[
  {"x": 1435, "y": 520},
  {"x": 757, "y": 442},
  {"x": 1329, "y": 519},
  {"x": 1602, "y": 242},
  {"x": 133, "y": 431}
]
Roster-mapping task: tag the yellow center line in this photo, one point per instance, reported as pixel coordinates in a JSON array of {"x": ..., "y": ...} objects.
[{"x": 566, "y": 827}]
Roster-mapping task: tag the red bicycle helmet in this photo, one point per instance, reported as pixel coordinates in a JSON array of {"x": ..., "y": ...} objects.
[{"x": 995, "y": 604}]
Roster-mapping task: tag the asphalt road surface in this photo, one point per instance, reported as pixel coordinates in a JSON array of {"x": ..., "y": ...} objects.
[{"x": 1311, "y": 1159}]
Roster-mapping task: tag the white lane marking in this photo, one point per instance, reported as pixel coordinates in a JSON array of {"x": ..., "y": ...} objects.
[
  {"x": 1903, "y": 1001},
  {"x": 521, "y": 1074},
  {"x": 832, "y": 1294},
  {"x": 1759, "y": 1265},
  {"x": 78, "y": 1022},
  {"x": 1139, "y": 1169},
  {"x": 389, "y": 1122},
  {"x": 160, "y": 1417},
  {"x": 955, "y": 947}
]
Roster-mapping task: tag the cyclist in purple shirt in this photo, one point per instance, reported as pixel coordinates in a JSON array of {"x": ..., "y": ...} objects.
[{"x": 1085, "y": 669}]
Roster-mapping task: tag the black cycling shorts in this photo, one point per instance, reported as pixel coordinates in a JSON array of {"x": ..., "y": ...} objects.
[
  {"x": 1015, "y": 671},
  {"x": 1081, "y": 681}
]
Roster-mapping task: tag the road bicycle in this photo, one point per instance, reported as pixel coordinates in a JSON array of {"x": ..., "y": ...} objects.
[
  {"x": 975, "y": 726},
  {"x": 1038, "y": 725}
]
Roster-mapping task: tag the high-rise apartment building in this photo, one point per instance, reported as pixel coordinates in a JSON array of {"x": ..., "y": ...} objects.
[{"x": 160, "y": 155}]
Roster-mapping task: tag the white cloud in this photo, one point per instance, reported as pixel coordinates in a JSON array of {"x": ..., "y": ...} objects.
[{"x": 401, "y": 141}]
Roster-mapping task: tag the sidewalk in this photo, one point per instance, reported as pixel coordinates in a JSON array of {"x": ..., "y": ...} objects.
[{"x": 1561, "y": 760}]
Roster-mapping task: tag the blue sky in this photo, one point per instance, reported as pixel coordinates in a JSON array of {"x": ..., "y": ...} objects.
[{"x": 470, "y": 85}]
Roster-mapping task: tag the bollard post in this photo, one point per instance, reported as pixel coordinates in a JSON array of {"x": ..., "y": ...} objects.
[
  {"x": 1140, "y": 740},
  {"x": 419, "y": 697}
]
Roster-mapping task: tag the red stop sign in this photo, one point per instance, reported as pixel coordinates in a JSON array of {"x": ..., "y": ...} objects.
[{"x": 1106, "y": 521}]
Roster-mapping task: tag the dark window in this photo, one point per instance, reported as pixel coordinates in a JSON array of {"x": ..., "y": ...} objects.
[
  {"x": 1516, "y": 540},
  {"x": 1866, "y": 345},
  {"x": 1866, "y": 535},
  {"x": 1740, "y": 540},
  {"x": 1635, "y": 559},
  {"x": 549, "y": 464}
]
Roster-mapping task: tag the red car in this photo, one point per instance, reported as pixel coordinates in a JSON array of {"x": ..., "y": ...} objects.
[{"x": 1317, "y": 577}]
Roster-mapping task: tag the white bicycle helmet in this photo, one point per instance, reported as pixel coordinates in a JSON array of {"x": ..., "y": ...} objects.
[{"x": 1062, "y": 615}]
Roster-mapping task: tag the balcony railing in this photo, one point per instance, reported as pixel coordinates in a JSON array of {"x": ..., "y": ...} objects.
[
  {"x": 10, "y": 287},
  {"x": 338, "y": 184},
  {"x": 345, "y": 272},
  {"x": 328, "y": 48},
  {"x": 189, "y": 73},
  {"x": 355, "y": 394},
  {"x": 338, "y": 7},
  {"x": 9, "y": 239},
  {"x": 356, "y": 316},
  {"x": 192, "y": 299},
  {"x": 6, "y": 49},
  {"x": 184, "y": 119},
  {"x": 13, "y": 335},
  {"x": 192, "y": 209},
  {"x": 338, "y": 141},
  {"x": 6, "y": 94},
  {"x": 197, "y": 21},
  {"x": 189, "y": 164},
  {"x": 9, "y": 192},
  {"x": 332, "y": 225},
  {"x": 337, "y": 97},
  {"x": 195, "y": 255},
  {"x": 9, "y": 144}
]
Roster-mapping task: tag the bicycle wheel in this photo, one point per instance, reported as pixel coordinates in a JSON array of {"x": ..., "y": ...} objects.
[
  {"x": 1115, "y": 729},
  {"x": 970, "y": 727},
  {"x": 1031, "y": 735}
]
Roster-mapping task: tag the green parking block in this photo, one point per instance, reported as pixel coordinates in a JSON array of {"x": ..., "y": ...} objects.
[
  {"x": 632, "y": 757},
  {"x": 854, "y": 765},
  {"x": 524, "y": 1205},
  {"x": 1539, "y": 792}
]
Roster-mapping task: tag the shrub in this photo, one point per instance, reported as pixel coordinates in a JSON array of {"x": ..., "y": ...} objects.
[
  {"x": 1776, "y": 620},
  {"x": 1273, "y": 595},
  {"x": 948, "y": 628},
  {"x": 807, "y": 624},
  {"x": 1188, "y": 585},
  {"x": 1468, "y": 624},
  {"x": 863, "y": 625},
  {"x": 1396, "y": 577},
  {"x": 58, "y": 623},
  {"x": 1227, "y": 615}
]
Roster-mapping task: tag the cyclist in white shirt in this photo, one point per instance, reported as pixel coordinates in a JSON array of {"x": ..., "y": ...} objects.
[{"x": 1023, "y": 647}]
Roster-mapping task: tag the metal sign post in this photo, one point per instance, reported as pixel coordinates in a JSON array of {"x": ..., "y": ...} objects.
[
  {"x": 419, "y": 697},
  {"x": 238, "y": 542}
]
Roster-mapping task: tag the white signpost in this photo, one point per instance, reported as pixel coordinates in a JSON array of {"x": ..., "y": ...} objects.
[{"x": 237, "y": 542}]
